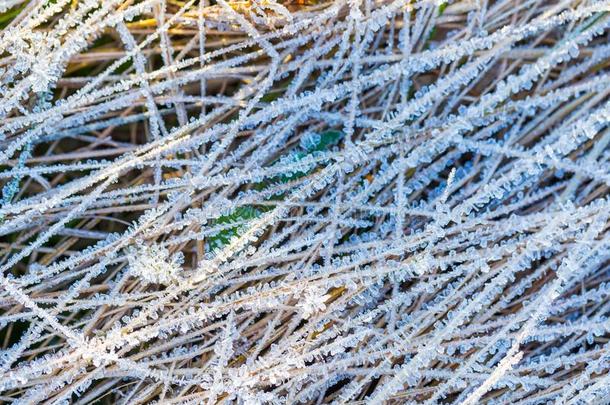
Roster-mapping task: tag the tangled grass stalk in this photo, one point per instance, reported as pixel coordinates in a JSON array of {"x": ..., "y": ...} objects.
[{"x": 304, "y": 201}]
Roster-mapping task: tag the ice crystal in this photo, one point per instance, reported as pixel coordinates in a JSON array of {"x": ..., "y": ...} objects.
[{"x": 153, "y": 264}]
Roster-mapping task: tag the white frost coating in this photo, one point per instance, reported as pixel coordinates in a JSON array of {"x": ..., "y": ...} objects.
[
  {"x": 154, "y": 264},
  {"x": 308, "y": 201}
]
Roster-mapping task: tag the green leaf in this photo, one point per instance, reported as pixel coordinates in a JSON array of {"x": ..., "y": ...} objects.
[
  {"x": 8, "y": 16},
  {"x": 327, "y": 139},
  {"x": 245, "y": 213},
  {"x": 240, "y": 214}
]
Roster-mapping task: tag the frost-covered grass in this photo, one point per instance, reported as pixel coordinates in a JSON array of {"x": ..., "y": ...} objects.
[{"x": 304, "y": 201}]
